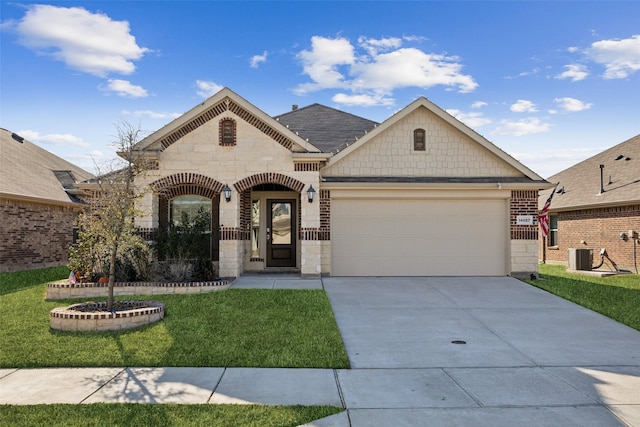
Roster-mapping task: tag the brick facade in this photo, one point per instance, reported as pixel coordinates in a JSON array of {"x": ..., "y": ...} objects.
[
  {"x": 34, "y": 235},
  {"x": 596, "y": 229},
  {"x": 523, "y": 202}
]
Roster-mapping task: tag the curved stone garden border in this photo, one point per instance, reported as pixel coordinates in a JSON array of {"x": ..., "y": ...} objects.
[
  {"x": 56, "y": 291},
  {"x": 93, "y": 317}
]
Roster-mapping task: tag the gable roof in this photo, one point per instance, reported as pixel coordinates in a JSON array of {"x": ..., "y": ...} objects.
[
  {"x": 579, "y": 186},
  {"x": 28, "y": 171},
  {"x": 423, "y": 102},
  {"x": 326, "y": 128},
  {"x": 214, "y": 107}
]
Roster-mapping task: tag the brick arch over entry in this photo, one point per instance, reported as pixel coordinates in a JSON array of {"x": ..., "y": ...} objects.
[
  {"x": 269, "y": 178},
  {"x": 187, "y": 183}
]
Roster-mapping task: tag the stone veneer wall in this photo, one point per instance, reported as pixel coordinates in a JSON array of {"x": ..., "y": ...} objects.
[
  {"x": 597, "y": 228},
  {"x": 34, "y": 235},
  {"x": 255, "y": 159}
]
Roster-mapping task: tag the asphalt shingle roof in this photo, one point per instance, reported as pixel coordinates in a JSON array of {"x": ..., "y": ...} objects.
[
  {"x": 26, "y": 170},
  {"x": 326, "y": 128},
  {"x": 579, "y": 185}
]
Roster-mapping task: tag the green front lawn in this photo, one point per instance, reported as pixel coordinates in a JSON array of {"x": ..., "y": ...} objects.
[
  {"x": 237, "y": 327},
  {"x": 143, "y": 415},
  {"x": 617, "y": 297}
]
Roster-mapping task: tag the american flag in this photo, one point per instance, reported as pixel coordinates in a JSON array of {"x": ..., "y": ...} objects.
[{"x": 543, "y": 217}]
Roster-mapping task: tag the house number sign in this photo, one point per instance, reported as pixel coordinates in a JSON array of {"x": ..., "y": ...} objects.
[{"x": 524, "y": 220}]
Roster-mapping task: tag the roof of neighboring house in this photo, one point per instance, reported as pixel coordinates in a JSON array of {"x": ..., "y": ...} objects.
[
  {"x": 326, "y": 128},
  {"x": 579, "y": 186},
  {"x": 28, "y": 171}
]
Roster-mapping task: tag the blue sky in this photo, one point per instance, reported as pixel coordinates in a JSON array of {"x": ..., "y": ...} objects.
[{"x": 551, "y": 83}]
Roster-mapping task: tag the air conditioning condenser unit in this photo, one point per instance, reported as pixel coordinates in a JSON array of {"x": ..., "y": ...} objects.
[{"x": 580, "y": 259}]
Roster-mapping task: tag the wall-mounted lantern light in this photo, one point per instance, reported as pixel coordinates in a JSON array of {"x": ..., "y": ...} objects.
[
  {"x": 227, "y": 193},
  {"x": 311, "y": 192}
]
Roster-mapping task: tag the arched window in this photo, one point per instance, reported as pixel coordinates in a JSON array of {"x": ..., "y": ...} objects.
[
  {"x": 419, "y": 142},
  {"x": 193, "y": 212},
  {"x": 227, "y": 132}
]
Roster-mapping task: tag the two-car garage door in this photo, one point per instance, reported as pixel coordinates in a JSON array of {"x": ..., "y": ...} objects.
[{"x": 419, "y": 237}]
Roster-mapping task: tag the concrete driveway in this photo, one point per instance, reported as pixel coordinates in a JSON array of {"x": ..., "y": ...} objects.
[{"x": 475, "y": 351}]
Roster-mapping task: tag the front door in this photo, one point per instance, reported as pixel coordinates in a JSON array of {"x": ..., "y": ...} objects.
[{"x": 281, "y": 233}]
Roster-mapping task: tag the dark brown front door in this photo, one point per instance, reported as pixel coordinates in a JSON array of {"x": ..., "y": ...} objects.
[{"x": 281, "y": 233}]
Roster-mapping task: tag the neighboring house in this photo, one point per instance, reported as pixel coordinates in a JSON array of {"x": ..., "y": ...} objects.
[
  {"x": 596, "y": 206},
  {"x": 324, "y": 192},
  {"x": 38, "y": 205}
]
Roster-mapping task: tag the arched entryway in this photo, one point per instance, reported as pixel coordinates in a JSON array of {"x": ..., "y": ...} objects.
[{"x": 270, "y": 212}]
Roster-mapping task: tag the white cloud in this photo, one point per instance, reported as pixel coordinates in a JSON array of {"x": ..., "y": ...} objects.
[
  {"x": 575, "y": 72},
  {"x": 521, "y": 127},
  {"x": 363, "y": 100},
  {"x": 472, "y": 120},
  {"x": 619, "y": 57},
  {"x": 256, "y": 60},
  {"x": 410, "y": 67},
  {"x": 572, "y": 104},
  {"x": 322, "y": 61},
  {"x": 85, "y": 41},
  {"x": 151, "y": 114},
  {"x": 125, "y": 88},
  {"x": 523, "y": 106},
  {"x": 479, "y": 104},
  {"x": 64, "y": 139},
  {"x": 207, "y": 89},
  {"x": 374, "y": 46},
  {"x": 380, "y": 67},
  {"x": 532, "y": 72}
]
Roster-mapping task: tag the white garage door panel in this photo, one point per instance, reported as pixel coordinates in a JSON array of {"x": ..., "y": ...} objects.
[{"x": 418, "y": 237}]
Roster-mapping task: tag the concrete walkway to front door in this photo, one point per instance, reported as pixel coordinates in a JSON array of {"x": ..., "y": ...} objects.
[{"x": 490, "y": 351}]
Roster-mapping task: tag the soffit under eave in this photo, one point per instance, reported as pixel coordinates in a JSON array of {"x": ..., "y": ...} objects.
[
  {"x": 41, "y": 201},
  {"x": 214, "y": 107},
  {"x": 448, "y": 118},
  {"x": 532, "y": 186}
]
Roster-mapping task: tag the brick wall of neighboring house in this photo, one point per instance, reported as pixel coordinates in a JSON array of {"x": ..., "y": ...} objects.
[
  {"x": 34, "y": 235},
  {"x": 598, "y": 228}
]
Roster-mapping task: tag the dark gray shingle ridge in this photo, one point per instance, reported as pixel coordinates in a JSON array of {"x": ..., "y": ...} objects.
[{"x": 325, "y": 127}]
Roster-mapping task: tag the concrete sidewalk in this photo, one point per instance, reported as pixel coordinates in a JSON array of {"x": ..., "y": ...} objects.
[{"x": 423, "y": 351}]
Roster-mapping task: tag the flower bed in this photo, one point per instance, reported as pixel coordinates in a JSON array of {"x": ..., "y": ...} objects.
[
  {"x": 93, "y": 317},
  {"x": 65, "y": 290}
]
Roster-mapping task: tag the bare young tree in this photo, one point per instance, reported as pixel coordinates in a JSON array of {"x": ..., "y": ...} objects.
[{"x": 109, "y": 224}]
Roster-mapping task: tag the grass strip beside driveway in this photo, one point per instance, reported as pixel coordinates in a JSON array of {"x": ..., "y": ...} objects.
[
  {"x": 617, "y": 297},
  {"x": 233, "y": 328},
  {"x": 132, "y": 414}
]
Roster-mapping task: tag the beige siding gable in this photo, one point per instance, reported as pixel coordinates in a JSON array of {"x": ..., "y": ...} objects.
[{"x": 449, "y": 153}]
